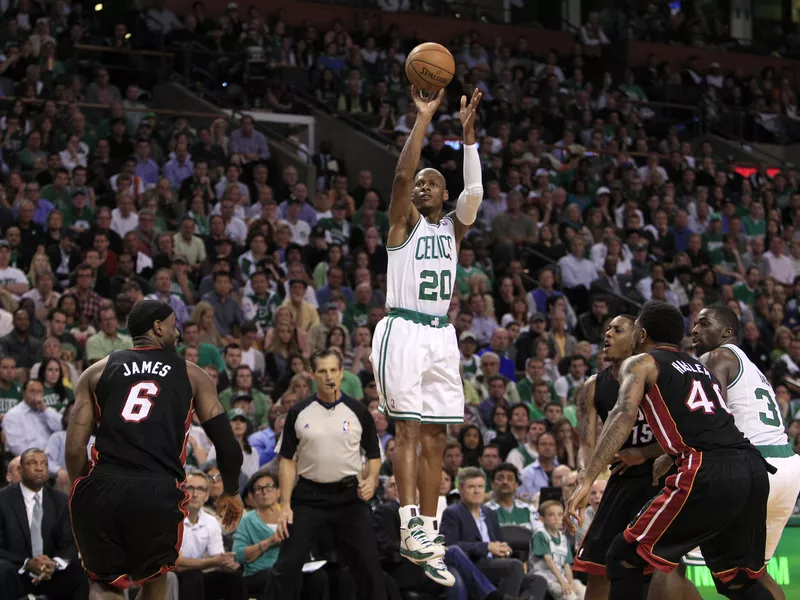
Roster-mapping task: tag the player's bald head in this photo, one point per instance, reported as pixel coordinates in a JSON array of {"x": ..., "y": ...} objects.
[{"x": 430, "y": 172}]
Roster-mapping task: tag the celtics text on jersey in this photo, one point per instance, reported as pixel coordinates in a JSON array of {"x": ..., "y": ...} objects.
[{"x": 421, "y": 271}]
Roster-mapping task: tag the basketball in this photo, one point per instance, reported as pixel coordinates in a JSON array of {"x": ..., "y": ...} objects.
[{"x": 430, "y": 67}]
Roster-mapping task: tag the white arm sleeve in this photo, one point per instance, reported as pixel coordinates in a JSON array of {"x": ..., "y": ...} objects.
[{"x": 470, "y": 199}]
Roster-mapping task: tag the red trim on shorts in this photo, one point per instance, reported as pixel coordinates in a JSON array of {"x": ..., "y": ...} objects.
[
  {"x": 146, "y": 348},
  {"x": 654, "y": 522},
  {"x": 730, "y": 574},
  {"x": 584, "y": 566}
]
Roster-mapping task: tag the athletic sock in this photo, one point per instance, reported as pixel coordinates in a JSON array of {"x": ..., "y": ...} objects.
[
  {"x": 407, "y": 513},
  {"x": 431, "y": 526}
]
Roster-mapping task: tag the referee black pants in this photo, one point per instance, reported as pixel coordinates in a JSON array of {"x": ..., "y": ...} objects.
[{"x": 338, "y": 507}]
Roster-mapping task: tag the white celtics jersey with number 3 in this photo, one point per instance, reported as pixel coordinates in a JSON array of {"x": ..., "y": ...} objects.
[
  {"x": 751, "y": 399},
  {"x": 422, "y": 271}
]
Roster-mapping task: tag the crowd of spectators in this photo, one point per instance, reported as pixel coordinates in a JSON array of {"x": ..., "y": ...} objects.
[{"x": 592, "y": 206}]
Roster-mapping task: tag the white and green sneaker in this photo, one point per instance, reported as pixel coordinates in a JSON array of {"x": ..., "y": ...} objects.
[
  {"x": 415, "y": 545},
  {"x": 437, "y": 571}
]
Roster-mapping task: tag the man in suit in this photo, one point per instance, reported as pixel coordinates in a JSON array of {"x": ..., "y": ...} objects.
[
  {"x": 64, "y": 257},
  {"x": 475, "y": 529},
  {"x": 37, "y": 551},
  {"x": 618, "y": 285},
  {"x": 409, "y": 576}
]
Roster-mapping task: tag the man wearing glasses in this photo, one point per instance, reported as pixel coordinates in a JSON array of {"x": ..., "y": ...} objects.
[{"x": 204, "y": 569}]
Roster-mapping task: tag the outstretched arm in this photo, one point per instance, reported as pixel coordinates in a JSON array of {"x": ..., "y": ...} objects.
[
  {"x": 470, "y": 199},
  {"x": 402, "y": 212}
]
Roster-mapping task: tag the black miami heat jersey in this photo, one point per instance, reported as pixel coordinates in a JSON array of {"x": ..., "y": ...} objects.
[
  {"x": 685, "y": 408},
  {"x": 606, "y": 392},
  {"x": 144, "y": 406}
]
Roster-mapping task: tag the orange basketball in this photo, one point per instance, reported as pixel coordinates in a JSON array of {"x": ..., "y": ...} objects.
[{"x": 430, "y": 67}]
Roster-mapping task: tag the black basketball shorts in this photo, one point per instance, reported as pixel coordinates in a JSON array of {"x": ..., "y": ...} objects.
[
  {"x": 623, "y": 499},
  {"x": 128, "y": 526}
]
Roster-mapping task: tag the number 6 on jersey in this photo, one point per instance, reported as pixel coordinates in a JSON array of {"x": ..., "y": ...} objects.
[{"x": 138, "y": 404}]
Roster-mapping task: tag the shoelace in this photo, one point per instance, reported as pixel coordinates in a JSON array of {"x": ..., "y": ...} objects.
[{"x": 419, "y": 534}]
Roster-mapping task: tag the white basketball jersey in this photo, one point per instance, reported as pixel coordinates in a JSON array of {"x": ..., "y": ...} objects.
[
  {"x": 422, "y": 271},
  {"x": 751, "y": 399}
]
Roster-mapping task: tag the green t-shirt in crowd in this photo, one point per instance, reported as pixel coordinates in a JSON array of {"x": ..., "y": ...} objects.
[
  {"x": 260, "y": 408},
  {"x": 722, "y": 258},
  {"x": 520, "y": 514},
  {"x": 72, "y": 216},
  {"x": 556, "y": 546},
  {"x": 462, "y": 278},
  {"x": 207, "y": 354},
  {"x": 754, "y": 227},
  {"x": 338, "y": 233},
  {"x": 10, "y": 397},
  {"x": 355, "y": 315},
  {"x": 53, "y": 400},
  {"x": 711, "y": 241},
  {"x": 56, "y": 197},
  {"x": 743, "y": 293}
]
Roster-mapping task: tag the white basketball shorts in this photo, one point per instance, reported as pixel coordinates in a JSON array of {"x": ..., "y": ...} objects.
[{"x": 417, "y": 368}]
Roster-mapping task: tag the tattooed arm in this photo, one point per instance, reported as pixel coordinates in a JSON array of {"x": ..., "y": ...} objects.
[
  {"x": 638, "y": 373},
  {"x": 587, "y": 417}
]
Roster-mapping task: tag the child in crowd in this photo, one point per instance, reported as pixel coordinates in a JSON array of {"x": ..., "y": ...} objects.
[{"x": 551, "y": 556}]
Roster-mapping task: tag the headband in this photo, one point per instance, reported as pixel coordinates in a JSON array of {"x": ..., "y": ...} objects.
[{"x": 147, "y": 316}]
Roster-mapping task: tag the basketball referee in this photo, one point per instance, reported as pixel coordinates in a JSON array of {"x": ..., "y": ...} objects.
[{"x": 322, "y": 442}]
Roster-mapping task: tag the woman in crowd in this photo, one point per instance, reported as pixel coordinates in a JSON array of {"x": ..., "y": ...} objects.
[
  {"x": 243, "y": 384},
  {"x": 277, "y": 352},
  {"x": 197, "y": 210},
  {"x": 783, "y": 338},
  {"x": 471, "y": 445},
  {"x": 300, "y": 385},
  {"x": 256, "y": 544},
  {"x": 203, "y": 315},
  {"x": 242, "y": 428},
  {"x": 56, "y": 395},
  {"x": 567, "y": 453},
  {"x": 337, "y": 339},
  {"x": 387, "y": 467},
  {"x": 549, "y": 245},
  {"x": 72, "y": 307},
  {"x": 499, "y": 424}
]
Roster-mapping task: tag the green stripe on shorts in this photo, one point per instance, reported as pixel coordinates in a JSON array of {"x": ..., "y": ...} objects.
[{"x": 382, "y": 354}]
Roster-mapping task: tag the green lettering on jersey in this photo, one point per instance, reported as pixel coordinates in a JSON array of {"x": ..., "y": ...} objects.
[
  {"x": 434, "y": 247},
  {"x": 433, "y": 284}
]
